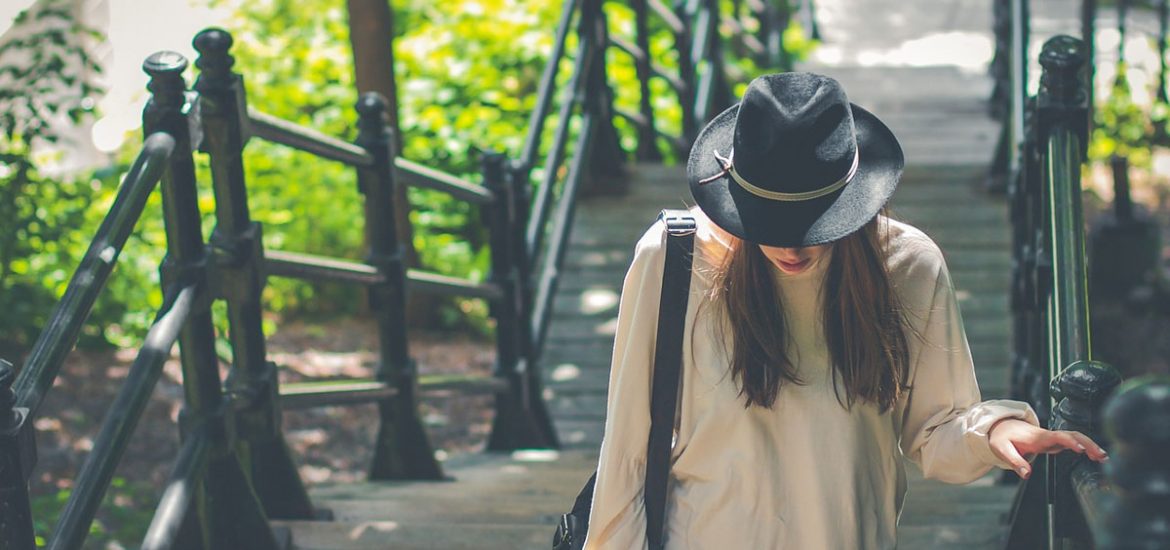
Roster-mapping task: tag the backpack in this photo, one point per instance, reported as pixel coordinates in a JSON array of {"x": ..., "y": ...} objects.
[{"x": 676, "y": 281}]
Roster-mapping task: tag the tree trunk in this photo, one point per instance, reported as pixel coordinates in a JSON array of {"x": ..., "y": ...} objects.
[{"x": 371, "y": 34}]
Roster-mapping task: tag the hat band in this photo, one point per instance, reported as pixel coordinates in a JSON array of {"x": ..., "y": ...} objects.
[{"x": 729, "y": 166}]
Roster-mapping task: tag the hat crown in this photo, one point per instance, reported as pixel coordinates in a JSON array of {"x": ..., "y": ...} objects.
[{"x": 794, "y": 132}]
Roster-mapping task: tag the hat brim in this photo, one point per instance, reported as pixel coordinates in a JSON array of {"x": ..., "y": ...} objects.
[{"x": 803, "y": 223}]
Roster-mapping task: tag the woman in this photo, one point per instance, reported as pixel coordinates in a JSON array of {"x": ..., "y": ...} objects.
[{"x": 823, "y": 345}]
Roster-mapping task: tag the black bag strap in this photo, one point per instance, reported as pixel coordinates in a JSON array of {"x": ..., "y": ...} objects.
[{"x": 672, "y": 313}]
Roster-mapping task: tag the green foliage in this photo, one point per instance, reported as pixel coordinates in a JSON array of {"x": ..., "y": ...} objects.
[
  {"x": 43, "y": 63},
  {"x": 1122, "y": 127},
  {"x": 462, "y": 83},
  {"x": 123, "y": 517}
]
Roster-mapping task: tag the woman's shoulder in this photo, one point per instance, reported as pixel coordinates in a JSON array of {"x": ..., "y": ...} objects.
[
  {"x": 709, "y": 238},
  {"x": 913, "y": 257}
]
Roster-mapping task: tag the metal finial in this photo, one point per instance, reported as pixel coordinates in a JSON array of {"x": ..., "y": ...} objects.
[
  {"x": 1062, "y": 59},
  {"x": 1081, "y": 389},
  {"x": 492, "y": 164},
  {"x": 371, "y": 105},
  {"x": 166, "y": 76},
  {"x": 164, "y": 64},
  {"x": 371, "y": 108},
  {"x": 213, "y": 45}
]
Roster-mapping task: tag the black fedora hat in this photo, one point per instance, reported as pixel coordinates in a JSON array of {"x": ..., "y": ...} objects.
[{"x": 794, "y": 163}]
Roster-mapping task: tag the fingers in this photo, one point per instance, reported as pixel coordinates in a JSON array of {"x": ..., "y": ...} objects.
[
  {"x": 1055, "y": 442},
  {"x": 1058, "y": 441},
  {"x": 1009, "y": 453},
  {"x": 1090, "y": 447}
]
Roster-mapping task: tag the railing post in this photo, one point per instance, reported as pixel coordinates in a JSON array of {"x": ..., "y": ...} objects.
[
  {"x": 1163, "y": 37},
  {"x": 779, "y": 15},
  {"x": 1037, "y": 252},
  {"x": 18, "y": 454},
  {"x": 522, "y": 419},
  {"x": 721, "y": 96},
  {"x": 1060, "y": 111},
  {"x": 1063, "y": 96},
  {"x": 606, "y": 154},
  {"x": 1031, "y": 269},
  {"x": 1162, "y": 95},
  {"x": 1059, "y": 105},
  {"x": 999, "y": 69},
  {"x": 237, "y": 277},
  {"x": 522, "y": 255},
  {"x": 1089, "y": 37},
  {"x": 1000, "y": 102},
  {"x": 1080, "y": 391},
  {"x": 403, "y": 450},
  {"x": 1137, "y": 422},
  {"x": 230, "y": 514},
  {"x": 814, "y": 29},
  {"x": 647, "y": 138},
  {"x": 686, "y": 72}
]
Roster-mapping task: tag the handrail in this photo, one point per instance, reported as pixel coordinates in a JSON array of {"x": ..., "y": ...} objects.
[
  {"x": 547, "y": 82},
  {"x": 64, "y": 325},
  {"x": 163, "y": 532},
  {"x": 124, "y": 413},
  {"x": 538, "y": 215},
  {"x": 420, "y": 176},
  {"x": 1070, "y": 301},
  {"x": 547, "y": 284},
  {"x": 1070, "y": 501},
  {"x": 278, "y": 130},
  {"x": 320, "y": 268},
  {"x": 1018, "y": 67},
  {"x": 1092, "y": 492}
]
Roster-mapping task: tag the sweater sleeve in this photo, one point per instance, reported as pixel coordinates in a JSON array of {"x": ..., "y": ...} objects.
[
  {"x": 944, "y": 422},
  {"x": 617, "y": 518}
]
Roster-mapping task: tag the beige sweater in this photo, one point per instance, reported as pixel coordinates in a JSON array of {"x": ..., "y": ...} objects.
[{"x": 807, "y": 474}]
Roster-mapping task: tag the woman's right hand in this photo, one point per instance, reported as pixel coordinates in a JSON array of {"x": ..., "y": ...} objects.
[{"x": 1017, "y": 443}]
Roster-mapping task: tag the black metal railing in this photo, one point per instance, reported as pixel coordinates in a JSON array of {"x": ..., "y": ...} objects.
[
  {"x": 701, "y": 80},
  {"x": 234, "y": 471},
  {"x": 1068, "y": 501},
  {"x": 21, "y": 396}
]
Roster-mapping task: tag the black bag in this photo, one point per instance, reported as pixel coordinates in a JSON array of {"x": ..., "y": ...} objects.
[{"x": 676, "y": 282}]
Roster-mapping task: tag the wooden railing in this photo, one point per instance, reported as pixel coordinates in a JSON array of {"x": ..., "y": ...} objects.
[
  {"x": 234, "y": 470},
  {"x": 1068, "y": 501}
]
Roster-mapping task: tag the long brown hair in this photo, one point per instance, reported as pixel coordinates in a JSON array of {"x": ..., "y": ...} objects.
[{"x": 865, "y": 329}]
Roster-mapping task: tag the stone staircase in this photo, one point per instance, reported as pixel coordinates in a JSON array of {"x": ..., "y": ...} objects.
[
  {"x": 513, "y": 502},
  {"x": 938, "y": 113}
]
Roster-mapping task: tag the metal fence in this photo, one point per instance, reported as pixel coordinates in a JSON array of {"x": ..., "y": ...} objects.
[{"x": 1070, "y": 502}]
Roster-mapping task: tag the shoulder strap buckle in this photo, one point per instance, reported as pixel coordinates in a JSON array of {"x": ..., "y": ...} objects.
[{"x": 678, "y": 222}]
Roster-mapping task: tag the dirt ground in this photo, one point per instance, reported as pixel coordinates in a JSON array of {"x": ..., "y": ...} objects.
[{"x": 332, "y": 444}]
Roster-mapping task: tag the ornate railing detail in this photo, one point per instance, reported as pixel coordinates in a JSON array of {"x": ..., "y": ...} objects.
[{"x": 1070, "y": 501}]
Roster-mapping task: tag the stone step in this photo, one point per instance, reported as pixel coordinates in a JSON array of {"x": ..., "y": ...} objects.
[
  {"x": 949, "y": 237},
  {"x": 600, "y": 331},
  {"x": 439, "y": 535},
  {"x": 603, "y": 302}
]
